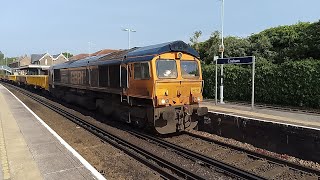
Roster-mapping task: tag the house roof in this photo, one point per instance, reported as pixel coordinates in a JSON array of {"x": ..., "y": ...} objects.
[
  {"x": 79, "y": 56},
  {"x": 21, "y": 58},
  {"x": 36, "y": 57},
  {"x": 55, "y": 56},
  {"x": 103, "y": 51}
]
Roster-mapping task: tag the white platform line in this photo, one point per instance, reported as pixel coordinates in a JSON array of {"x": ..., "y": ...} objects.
[
  {"x": 74, "y": 152},
  {"x": 274, "y": 122}
]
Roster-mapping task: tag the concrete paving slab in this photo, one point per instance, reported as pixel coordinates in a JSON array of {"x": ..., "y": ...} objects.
[
  {"x": 44, "y": 149},
  {"x": 39, "y": 139},
  {"x": 277, "y": 116},
  {"x": 70, "y": 174},
  {"x": 55, "y": 162},
  {"x": 85, "y": 173}
]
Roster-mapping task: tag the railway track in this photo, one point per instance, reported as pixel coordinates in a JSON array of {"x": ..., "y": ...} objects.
[
  {"x": 151, "y": 160},
  {"x": 258, "y": 155},
  {"x": 276, "y": 168}
]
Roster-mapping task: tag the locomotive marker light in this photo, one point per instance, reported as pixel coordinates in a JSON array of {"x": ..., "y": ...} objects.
[{"x": 238, "y": 60}]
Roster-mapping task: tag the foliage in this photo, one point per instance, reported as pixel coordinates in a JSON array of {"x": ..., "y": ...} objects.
[
  {"x": 277, "y": 45},
  {"x": 294, "y": 83},
  {"x": 287, "y": 66},
  {"x": 1, "y": 56},
  {"x": 7, "y": 61},
  {"x": 67, "y": 54},
  {"x": 195, "y": 39}
]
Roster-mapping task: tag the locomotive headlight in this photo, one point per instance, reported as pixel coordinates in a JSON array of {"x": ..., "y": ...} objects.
[
  {"x": 163, "y": 101},
  {"x": 196, "y": 99}
]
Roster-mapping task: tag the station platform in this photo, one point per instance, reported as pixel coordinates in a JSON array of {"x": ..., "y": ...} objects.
[
  {"x": 292, "y": 118},
  {"x": 30, "y": 149}
]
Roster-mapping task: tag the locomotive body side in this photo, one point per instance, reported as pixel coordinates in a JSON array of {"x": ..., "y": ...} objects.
[{"x": 158, "y": 86}]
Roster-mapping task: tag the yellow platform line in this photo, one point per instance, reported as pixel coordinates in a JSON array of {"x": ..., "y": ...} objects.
[{"x": 4, "y": 157}]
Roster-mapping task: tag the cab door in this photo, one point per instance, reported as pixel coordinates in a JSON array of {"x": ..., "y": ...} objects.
[
  {"x": 124, "y": 79},
  {"x": 141, "y": 82}
]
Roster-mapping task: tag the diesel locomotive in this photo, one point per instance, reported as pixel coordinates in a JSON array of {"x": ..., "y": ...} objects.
[{"x": 158, "y": 86}]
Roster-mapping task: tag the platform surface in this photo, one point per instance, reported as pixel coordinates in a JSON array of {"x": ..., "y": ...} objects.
[
  {"x": 29, "y": 150},
  {"x": 277, "y": 116}
]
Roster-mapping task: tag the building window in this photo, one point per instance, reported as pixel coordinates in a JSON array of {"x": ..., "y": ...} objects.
[{"x": 46, "y": 62}]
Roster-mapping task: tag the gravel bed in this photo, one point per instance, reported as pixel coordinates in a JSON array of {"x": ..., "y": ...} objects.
[
  {"x": 234, "y": 157},
  {"x": 288, "y": 158}
]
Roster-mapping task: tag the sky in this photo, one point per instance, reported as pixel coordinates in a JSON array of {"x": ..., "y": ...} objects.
[{"x": 82, "y": 26}]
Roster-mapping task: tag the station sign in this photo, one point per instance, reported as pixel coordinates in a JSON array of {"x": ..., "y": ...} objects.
[{"x": 236, "y": 60}]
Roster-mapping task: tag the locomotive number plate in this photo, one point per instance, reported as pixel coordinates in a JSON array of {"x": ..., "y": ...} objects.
[{"x": 196, "y": 90}]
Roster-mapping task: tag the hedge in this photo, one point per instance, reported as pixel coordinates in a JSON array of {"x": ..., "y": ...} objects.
[{"x": 294, "y": 83}]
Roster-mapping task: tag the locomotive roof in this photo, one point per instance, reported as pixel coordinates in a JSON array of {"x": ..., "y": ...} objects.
[
  {"x": 132, "y": 55},
  {"x": 154, "y": 50}
]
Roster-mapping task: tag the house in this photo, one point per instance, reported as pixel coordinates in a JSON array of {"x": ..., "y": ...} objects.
[
  {"x": 47, "y": 60},
  {"x": 41, "y": 59},
  {"x": 98, "y": 53},
  {"x": 79, "y": 56},
  {"x": 59, "y": 58},
  {"x": 20, "y": 61},
  {"x": 104, "y": 51}
]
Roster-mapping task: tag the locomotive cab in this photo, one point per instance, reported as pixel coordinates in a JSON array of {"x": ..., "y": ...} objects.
[{"x": 172, "y": 82}]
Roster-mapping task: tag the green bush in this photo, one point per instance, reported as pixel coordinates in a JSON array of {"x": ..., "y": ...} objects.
[{"x": 294, "y": 83}]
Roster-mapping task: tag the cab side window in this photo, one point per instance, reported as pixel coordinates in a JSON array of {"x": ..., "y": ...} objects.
[{"x": 141, "y": 70}]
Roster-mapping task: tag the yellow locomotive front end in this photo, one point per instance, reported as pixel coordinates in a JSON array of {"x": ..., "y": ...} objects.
[{"x": 177, "y": 92}]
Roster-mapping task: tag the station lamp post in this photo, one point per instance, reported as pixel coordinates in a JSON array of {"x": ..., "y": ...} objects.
[
  {"x": 221, "y": 49},
  {"x": 129, "y": 31}
]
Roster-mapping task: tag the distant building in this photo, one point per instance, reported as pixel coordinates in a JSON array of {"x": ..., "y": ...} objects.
[
  {"x": 79, "y": 56},
  {"x": 41, "y": 59},
  {"x": 59, "y": 58},
  {"x": 20, "y": 61},
  {"x": 98, "y": 53},
  {"x": 47, "y": 60},
  {"x": 36, "y": 64}
]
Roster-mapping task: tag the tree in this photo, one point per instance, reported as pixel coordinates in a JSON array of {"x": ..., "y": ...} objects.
[
  {"x": 67, "y": 54},
  {"x": 208, "y": 49},
  {"x": 195, "y": 39},
  {"x": 1, "y": 55}
]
